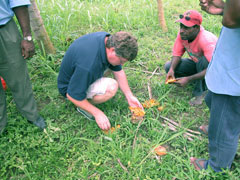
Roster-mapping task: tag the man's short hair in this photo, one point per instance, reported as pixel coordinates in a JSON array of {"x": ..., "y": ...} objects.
[{"x": 125, "y": 45}]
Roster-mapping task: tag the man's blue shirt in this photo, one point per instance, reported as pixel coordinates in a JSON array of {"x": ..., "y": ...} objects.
[
  {"x": 223, "y": 73},
  {"x": 84, "y": 62},
  {"x": 6, "y": 6}
]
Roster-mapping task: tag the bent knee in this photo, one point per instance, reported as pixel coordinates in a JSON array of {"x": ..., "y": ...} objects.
[
  {"x": 167, "y": 66},
  {"x": 112, "y": 87}
]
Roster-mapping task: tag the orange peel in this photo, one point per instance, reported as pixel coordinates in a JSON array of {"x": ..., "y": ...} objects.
[
  {"x": 150, "y": 103},
  {"x": 171, "y": 80},
  {"x": 160, "y": 150},
  {"x": 160, "y": 108},
  {"x": 137, "y": 114},
  {"x": 111, "y": 130}
]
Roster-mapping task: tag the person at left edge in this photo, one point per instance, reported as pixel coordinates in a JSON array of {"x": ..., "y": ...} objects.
[
  {"x": 14, "y": 50},
  {"x": 81, "y": 78}
]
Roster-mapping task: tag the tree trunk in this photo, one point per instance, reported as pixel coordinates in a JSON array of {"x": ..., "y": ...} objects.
[
  {"x": 161, "y": 18},
  {"x": 39, "y": 30}
]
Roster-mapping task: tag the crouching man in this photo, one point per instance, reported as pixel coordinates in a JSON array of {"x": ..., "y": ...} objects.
[
  {"x": 81, "y": 74},
  {"x": 199, "y": 44}
]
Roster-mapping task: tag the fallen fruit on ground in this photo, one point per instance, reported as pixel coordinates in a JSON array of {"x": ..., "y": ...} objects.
[
  {"x": 160, "y": 150},
  {"x": 160, "y": 108},
  {"x": 111, "y": 130},
  {"x": 137, "y": 114},
  {"x": 150, "y": 103}
]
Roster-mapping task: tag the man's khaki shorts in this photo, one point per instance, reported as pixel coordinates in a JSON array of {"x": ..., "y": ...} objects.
[{"x": 99, "y": 87}]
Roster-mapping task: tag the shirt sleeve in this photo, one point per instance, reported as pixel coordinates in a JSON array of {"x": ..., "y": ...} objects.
[
  {"x": 79, "y": 83},
  {"x": 16, "y": 3},
  {"x": 178, "y": 48}
]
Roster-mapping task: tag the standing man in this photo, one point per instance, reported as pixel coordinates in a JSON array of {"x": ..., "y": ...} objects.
[
  {"x": 14, "y": 50},
  {"x": 81, "y": 78},
  {"x": 199, "y": 44},
  {"x": 223, "y": 82}
]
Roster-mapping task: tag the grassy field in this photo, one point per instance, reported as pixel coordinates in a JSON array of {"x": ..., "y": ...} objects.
[{"x": 73, "y": 147}]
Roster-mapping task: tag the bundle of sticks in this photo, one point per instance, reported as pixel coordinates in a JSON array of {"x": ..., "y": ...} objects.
[{"x": 172, "y": 125}]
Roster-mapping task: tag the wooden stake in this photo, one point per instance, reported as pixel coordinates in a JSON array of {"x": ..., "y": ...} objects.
[{"x": 161, "y": 18}]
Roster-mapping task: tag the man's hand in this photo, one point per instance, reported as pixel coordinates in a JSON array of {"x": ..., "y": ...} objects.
[
  {"x": 28, "y": 49},
  {"x": 214, "y": 7},
  {"x": 133, "y": 102},
  {"x": 170, "y": 74},
  {"x": 102, "y": 121},
  {"x": 182, "y": 81}
]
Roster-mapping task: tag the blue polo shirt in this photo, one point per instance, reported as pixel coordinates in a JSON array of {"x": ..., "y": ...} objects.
[
  {"x": 6, "y": 6},
  {"x": 84, "y": 62},
  {"x": 223, "y": 73}
]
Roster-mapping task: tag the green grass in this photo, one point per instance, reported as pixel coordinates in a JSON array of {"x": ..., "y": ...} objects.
[{"x": 75, "y": 148}]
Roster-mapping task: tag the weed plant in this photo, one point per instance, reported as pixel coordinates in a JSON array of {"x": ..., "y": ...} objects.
[{"x": 73, "y": 147}]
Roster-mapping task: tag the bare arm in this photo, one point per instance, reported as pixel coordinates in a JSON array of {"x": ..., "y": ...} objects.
[
  {"x": 22, "y": 15},
  {"x": 123, "y": 84},
  {"x": 231, "y": 14},
  {"x": 175, "y": 61},
  {"x": 199, "y": 75},
  {"x": 230, "y": 11},
  {"x": 184, "y": 80},
  {"x": 101, "y": 119}
]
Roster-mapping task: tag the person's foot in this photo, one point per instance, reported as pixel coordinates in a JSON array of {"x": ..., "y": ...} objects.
[
  {"x": 197, "y": 163},
  {"x": 86, "y": 114},
  {"x": 197, "y": 100},
  {"x": 40, "y": 123},
  {"x": 203, "y": 129}
]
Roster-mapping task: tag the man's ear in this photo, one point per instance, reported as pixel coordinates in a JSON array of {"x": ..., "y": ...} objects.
[{"x": 112, "y": 51}]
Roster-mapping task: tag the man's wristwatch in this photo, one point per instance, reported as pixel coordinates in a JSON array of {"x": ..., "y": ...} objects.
[{"x": 28, "y": 38}]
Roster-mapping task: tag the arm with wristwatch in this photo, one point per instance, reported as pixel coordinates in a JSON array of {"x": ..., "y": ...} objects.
[{"x": 27, "y": 44}]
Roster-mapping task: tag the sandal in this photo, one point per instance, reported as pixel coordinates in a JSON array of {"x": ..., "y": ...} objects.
[
  {"x": 196, "y": 163},
  {"x": 203, "y": 129}
]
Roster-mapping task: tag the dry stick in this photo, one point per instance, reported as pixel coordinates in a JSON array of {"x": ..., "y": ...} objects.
[
  {"x": 149, "y": 90},
  {"x": 154, "y": 72},
  {"x": 173, "y": 128},
  {"x": 147, "y": 72},
  {"x": 176, "y": 124},
  {"x": 89, "y": 177},
  {"x": 124, "y": 168},
  {"x": 189, "y": 138},
  {"x": 148, "y": 83}
]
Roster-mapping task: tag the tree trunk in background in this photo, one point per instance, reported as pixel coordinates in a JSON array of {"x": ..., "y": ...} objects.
[
  {"x": 39, "y": 30},
  {"x": 161, "y": 18}
]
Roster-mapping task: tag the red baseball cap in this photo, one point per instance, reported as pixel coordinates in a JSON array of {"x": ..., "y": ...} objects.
[{"x": 190, "y": 18}]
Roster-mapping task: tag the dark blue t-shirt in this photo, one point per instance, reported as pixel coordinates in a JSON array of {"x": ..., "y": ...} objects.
[{"x": 84, "y": 62}]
